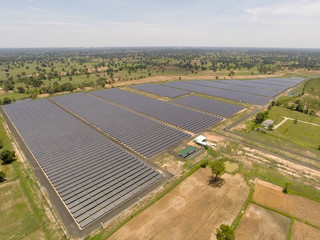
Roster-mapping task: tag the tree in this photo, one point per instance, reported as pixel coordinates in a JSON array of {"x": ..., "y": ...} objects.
[
  {"x": 7, "y": 156},
  {"x": 6, "y": 100},
  {"x": 217, "y": 169},
  {"x": 1, "y": 144},
  {"x": 2, "y": 176},
  {"x": 286, "y": 188},
  {"x": 21, "y": 89},
  {"x": 225, "y": 232}
]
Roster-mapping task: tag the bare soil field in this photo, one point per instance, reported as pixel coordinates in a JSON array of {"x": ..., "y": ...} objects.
[
  {"x": 260, "y": 223},
  {"x": 193, "y": 210},
  {"x": 271, "y": 195},
  {"x": 303, "y": 231}
]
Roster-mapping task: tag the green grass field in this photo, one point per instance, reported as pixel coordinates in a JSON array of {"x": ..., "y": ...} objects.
[{"x": 299, "y": 137}]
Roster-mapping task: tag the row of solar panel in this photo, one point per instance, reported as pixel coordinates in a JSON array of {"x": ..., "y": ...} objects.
[
  {"x": 185, "y": 118},
  {"x": 237, "y": 88},
  {"x": 161, "y": 90},
  {"x": 91, "y": 174},
  {"x": 223, "y": 93},
  {"x": 269, "y": 87},
  {"x": 209, "y": 105},
  {"x": 146, "y": 136}
]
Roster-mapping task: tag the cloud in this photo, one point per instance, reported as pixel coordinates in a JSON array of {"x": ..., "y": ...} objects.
[
  {"x": 301, "y": 8},
  {"x": 54, "y": 23},
  {"x": 135, "y": 24}
]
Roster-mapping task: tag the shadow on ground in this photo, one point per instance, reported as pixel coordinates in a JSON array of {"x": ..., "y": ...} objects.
[{"x": 216, "y": 182}]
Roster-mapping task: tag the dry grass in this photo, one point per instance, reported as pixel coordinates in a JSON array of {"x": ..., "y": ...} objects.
[
  {"x": 260, "y": 223},
  {"x": 303, "y": 231},
  {"x": 300, "y": 207},
  {"x": 193, "y": 210}
]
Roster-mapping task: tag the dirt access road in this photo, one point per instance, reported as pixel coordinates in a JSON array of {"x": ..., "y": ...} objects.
[{"x": 193, "y": 210}]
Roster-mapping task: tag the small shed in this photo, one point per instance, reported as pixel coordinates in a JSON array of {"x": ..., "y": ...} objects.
[
  {"x": 267, "y": 123},
  {"x": 201, "y": 140},
  {"x": 187, "y": 151}
]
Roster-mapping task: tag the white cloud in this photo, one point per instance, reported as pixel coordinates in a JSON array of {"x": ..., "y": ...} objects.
[{"x": 301, "y": 8}]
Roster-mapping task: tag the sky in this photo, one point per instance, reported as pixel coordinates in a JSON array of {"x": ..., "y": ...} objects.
[{"x": 138, "y": 23}]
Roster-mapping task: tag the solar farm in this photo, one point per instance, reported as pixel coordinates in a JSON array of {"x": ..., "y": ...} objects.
[
  {"x": 146, "y": 136},
  {"x": 211, "y": 106},
  {"x": 91, "y": 174},
  {"x": 184, "y": 118},
  {"x": 161, "y": 90},
  {"x": 94, "y": 148},
  {"x": 257, "y": 92}
]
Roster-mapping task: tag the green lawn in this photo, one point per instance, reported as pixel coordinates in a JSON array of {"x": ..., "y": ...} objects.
[{"x": 299, "y": 133}]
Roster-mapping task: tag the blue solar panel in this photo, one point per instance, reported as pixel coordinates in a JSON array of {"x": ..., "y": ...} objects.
[
  {"x": 223, "y": 93},
  {"x": 179, "y": 116},
  {"x": 210, "y": 106},
  {"x": 86, "y": 169},
  {"x": 146, "y": 136},
  {"x": 161, "y": 90}
]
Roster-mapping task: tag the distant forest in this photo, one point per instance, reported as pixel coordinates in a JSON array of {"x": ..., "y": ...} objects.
[{"x": 51, "y": 70}]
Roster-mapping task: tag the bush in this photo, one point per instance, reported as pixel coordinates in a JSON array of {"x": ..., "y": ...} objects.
[
  {"x": 286, "y": 188},
  {"x": 6, "y": 100},
  {"x": 2, "y": 176},
  {"x": 225, "y": 232},
  {"x": 7, "y": 156},
  {"x": 21, "y": 90}
]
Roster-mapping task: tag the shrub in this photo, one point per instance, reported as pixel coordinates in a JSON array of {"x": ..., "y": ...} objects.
[
  {"x": 7, "y": 156},
  {"x": 2, "y": 176}
]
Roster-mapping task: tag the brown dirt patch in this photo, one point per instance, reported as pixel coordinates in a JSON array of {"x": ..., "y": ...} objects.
[
  {"x": 260, "y": 223},
  {"x": 43, "y": 95},
  {"x": 303, "y": 231},
  {"x": 272, "y": 196},
  {"x": 193, "y": 210}
]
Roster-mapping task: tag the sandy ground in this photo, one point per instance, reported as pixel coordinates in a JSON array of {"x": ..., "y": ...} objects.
[
  {"x": 271, "y": 195},
  {"x": 260, "y": 223},
  {"x": 193, "y": 210},
  {"x": 303, "y": 231},
  {"x": 172, "y": 78}
]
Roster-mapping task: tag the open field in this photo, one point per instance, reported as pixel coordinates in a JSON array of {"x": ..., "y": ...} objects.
[
  {"x": 17, "y": 218},
  {"x": 303, "y": 231},
  {"x": 260, "y": 223},
  {"x": 193, "y": 210},
  {"x": 302, "y": 208},
  {"x": 294, "y": 136}
]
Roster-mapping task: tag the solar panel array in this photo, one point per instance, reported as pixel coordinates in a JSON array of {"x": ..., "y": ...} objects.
[
  {"x": 285, "y": 82},
  {"x": 253, "y": 84},
  {"x": 90, "y": 173},
  {"x": 146, "y": 136},
  {"x": 210, "y": 106},
  {"x": 244, "y": 89},
  {"x": 188, "y": 119},
  {"x": 228, "y": 94},
  {"x": 161, "y": 90},
  {"x": 275, "y": 84}
]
